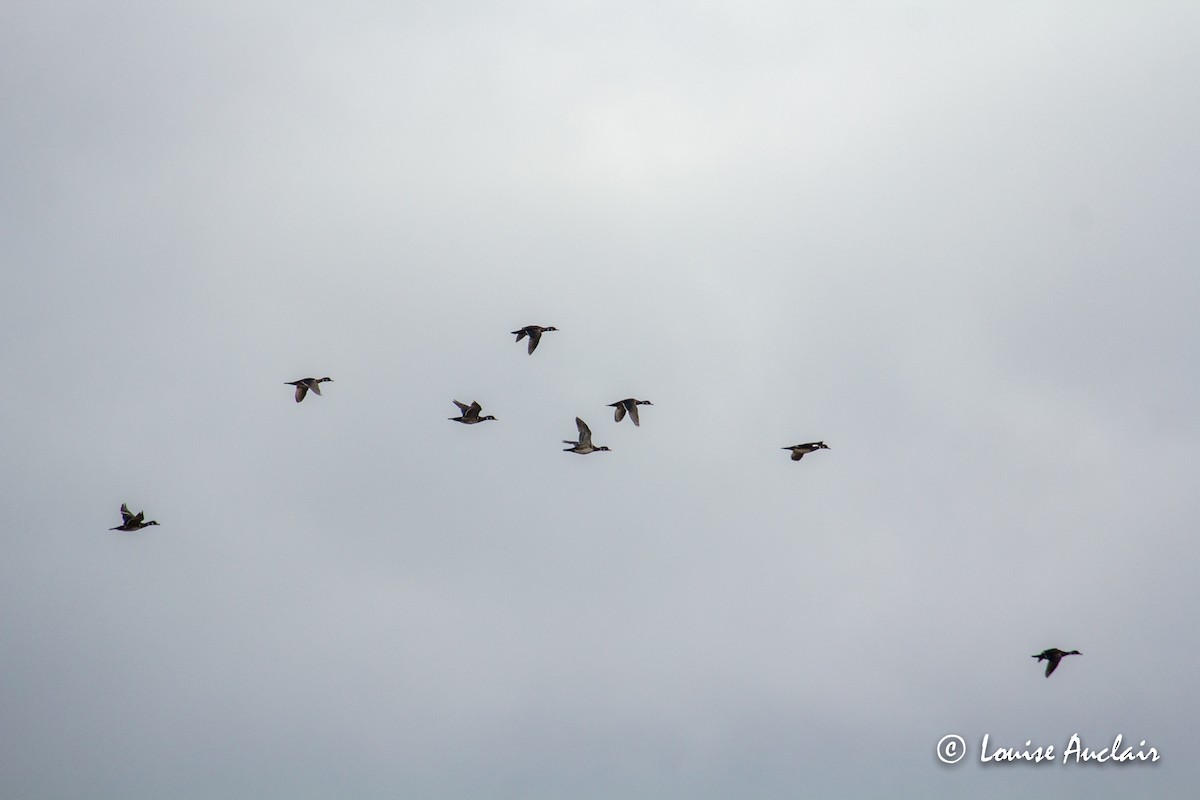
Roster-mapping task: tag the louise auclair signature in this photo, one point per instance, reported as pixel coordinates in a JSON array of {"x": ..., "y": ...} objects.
[{"x": 952, "y": 748}]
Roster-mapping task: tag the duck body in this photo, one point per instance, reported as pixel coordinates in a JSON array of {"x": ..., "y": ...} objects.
[
  {"x": 131, "y": 521},
  {"x": 800, "y": 450},
  {"x": 584, "y": 445},
  {"x": 628, "y": 406},
  {"x": 1053, "y": 656},
  {"x": 534, "y": 332},
  {"x": 469, "y": 414},
  {"x": 304, "y": 385}
]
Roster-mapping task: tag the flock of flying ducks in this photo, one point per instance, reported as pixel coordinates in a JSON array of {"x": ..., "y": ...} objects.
[{"x": 471, "y": 415}]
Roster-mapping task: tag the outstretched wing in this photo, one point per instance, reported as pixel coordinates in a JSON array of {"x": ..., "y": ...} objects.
[
  {"x": 535, "y": 336},
  {"x": 315, "y": 386},
  {"x": 521, "y": 334},
  {"x": 301, "y": 390},
  {"x": 797, "y": 455},
  {"x": 1052, "y": 664},
  {"x": 620, "y": 412},
  {"x": 126, "y": 514},
  {"x": 585, "y": 433},
  {"x": 633, "y": 414},
  {"x": 474, "y": 409},
  {"x": 462, "y": 407}
]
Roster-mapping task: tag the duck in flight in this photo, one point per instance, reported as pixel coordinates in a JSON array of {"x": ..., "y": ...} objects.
[
  {"x": 305, "y": 384},
  {"x": 628, "y": 406},
  {"x": 469, "y": 414},
  {"x": 131, "y": 521},
  {"x": 534, "y": 332},
  {"x": 799, "y": 450},
  {"x": 1053, "y": 656},
  {"x": 584, "y": 445}
]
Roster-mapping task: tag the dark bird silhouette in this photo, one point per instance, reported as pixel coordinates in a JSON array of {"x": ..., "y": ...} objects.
[
  {"x": 799, "y": 450},
  {"x": 1053, "y": 656},
  {"x": 584, "y": 445},
  {"x": 305, "y": 384},
  {"x": 131, "y": 521},
  {"x": 534, "y": 332},
  {"x": 628, "y": 405},
  {"x": 469, "y": 414}
]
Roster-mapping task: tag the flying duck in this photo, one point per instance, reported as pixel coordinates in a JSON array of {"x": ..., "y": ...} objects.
[
  {"x": 1053, "y": 656},
  {"x": 584, "y": 445},
  {"x": 798, "y": 450},
  {"x": 469, "y": 414},
  {"x": 304, "y": 384},
  {"x": 131, "y": 521},
  {"x": 629, "y": 405},
  {"x": 534, "y": 332}
]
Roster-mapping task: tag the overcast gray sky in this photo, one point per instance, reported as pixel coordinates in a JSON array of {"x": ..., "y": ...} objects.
[{"x": 955, "y": 241}]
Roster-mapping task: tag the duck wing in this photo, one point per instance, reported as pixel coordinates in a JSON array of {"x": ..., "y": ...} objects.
[
  {"x": 797, "y": 455},
  {"x": 1052, "y": 664},
  {"x": 126, "y": 514},
  {"x": 473, "y": 410},
  {"x": 585, "y": 433},
  {"x": 633, "y": 414},
  {"x": 535, "y": 336},
  {"x": 619, "y": 414}
]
